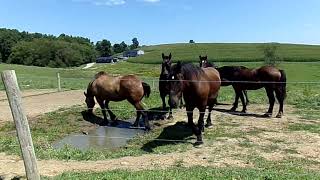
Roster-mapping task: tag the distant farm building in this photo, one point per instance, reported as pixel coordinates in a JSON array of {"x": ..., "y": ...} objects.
[
  {"x": 133, "y": 53},
  {"x": 108, "y": 59}
]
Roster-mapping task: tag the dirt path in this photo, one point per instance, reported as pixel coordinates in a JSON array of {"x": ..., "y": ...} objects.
[
  {"x": 221, "y": 152},
  {"x": 40, "y": 104}
]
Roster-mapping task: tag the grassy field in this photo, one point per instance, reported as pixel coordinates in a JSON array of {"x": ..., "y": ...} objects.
[
  {"x": 195, "y": 173},
  {"x": 52, "y": 126},
  {"x": 222, "y": 52}
]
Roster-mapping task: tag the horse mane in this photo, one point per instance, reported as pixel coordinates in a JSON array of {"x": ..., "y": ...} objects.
[
  {"x": 101, "y": 73},
  {"x": 96, "y": 76},
  {"x": 189, "y": 70}
]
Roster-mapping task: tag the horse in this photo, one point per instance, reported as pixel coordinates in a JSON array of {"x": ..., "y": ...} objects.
[
  {"x": 106, "y": 88},
  {"x": 199, "y": 88},
  {"x": 164, "y": 88},
  {"x": 268, "y": 77},
  {"x": 204, "y": 63}
]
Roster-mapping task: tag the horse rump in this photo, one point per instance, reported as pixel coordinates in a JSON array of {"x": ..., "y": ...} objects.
[{"x": 146, "y": 89}]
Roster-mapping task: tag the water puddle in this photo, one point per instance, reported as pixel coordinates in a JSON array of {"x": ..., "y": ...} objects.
[{"x": 103, "y": 137}]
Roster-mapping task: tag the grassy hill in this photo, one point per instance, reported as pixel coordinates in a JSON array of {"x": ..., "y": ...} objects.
[{"x": 228, "y": 52}]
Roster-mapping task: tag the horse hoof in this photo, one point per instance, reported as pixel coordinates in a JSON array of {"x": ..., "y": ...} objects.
[
  {"x": 198, "y": 144},
  {"x": 233, "y": 109},
  {"x": 209, "y": 126},
  {"x": 267, "y": 115},
  {"x": 147, "y": 128},
  {"x": 170, "y": 117},
  {"x": 279, "y": 116}
]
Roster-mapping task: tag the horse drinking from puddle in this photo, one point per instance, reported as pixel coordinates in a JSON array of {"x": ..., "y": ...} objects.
[
  {"x": 204, "y": 63},
  {"x": 108, "y": 88},
  {"x": 199, "y": 88}
]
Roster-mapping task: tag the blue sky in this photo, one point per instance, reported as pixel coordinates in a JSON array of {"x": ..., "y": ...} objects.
[{"x": 169, "y": 21}]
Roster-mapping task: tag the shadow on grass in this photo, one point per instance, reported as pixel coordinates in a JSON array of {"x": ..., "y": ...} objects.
[
  {"x": 157, "y": 113},
  {"x": 175, "y": 134},
  {"x": 92, "y": 118},
  {"x": 238, "y": 113}
]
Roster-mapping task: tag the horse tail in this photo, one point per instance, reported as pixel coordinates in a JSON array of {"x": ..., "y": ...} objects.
[
  {"x": 146, "y": 89},
  {"x": 283, "y": 84}
]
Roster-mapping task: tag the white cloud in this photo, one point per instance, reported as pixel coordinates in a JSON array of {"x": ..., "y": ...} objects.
[
  {"x": 151, "y": 1},
  {"x": 103, "y": 2}
]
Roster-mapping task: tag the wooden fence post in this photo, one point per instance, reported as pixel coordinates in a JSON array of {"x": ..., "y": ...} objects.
[
  {"x": 14, "y": 97},
  {"x": 59, "y": 83}
]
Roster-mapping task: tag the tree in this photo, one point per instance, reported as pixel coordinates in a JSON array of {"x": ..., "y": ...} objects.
[
  {"x": 117, "y": 48},
  {"x": 104, "y": 48},
  {"x": 135, "y": 43},
  {"x": 270, "y": 53},
  {"x": 8, "y": 38},
  {"x": 191, "y": 41},
  {"x": 124, "y": 46}
]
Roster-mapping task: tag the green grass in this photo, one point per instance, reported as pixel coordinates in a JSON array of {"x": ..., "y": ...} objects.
[
  {"x": 303, "y": 96},
  {"x": 235, "y": 52},
  {"x": 196, "y": 173}
]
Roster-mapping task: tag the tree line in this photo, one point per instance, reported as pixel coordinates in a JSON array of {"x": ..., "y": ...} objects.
[{"x": 54, "y": 51}]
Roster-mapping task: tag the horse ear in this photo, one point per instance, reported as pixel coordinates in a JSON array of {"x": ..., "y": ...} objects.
[
  {"x": 170, "y": 56},
  {"x": 206, "y": 56},
  {"x": 162, "y": 55},
  {"x": 85, "y": 94},
  {"x": 200, "y": 57}
]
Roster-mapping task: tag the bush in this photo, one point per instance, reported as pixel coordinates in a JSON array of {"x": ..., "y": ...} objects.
[{"x": 270, "y": 54}]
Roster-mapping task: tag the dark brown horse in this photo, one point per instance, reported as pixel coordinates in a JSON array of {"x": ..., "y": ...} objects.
[
  {"x": 268, "y": 77},
  {"x": 204, "y": 63},
  {"x": 199, "y": 88},
  {"x": 108, "y": 88},
  {"x": 164, "y": 88}
]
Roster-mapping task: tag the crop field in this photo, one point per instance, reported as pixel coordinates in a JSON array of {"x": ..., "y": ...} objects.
[
  {"x": 225, "y": 52},
  {"x": 238, "y": 147}
]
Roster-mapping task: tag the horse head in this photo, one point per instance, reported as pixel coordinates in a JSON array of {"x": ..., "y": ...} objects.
[
  {"x": 176, "y": 84},
  {"x": 203, "y": 61},
  {"x": 89, "y": 101},
  {"x": 166, "y": 64}
]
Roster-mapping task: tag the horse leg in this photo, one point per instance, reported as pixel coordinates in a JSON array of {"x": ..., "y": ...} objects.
[
  {"x": 244, "y": 105},
  {"x": 200, "y": 129},
  {"x": 280, "y": 98},
  {"x": 181, "y": 103},
  {"x": 246, "y": 96},
  {"x": 112, "y": 116},
  {"x": 271, "y": 102},
  {"x": 141, "y": 111},
  {"x": 194, "y": 128},
  {"x": 235, "y": 104},
  {"x": 209, "y": 123},
  {"x": 103, "y": 109},
  {"x": 163, "y": 98}
]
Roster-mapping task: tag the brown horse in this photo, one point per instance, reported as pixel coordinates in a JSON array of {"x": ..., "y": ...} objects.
[
  {"x": 204, "y": 63},
  {"x": 268, "y": 77},
  {"x": 164, "y": 88},
  {"x": 108, "y": 88},
  {"x": 199, "y": 88}
]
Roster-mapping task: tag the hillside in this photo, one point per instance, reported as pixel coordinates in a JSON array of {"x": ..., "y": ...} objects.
[{"x": 228, "y": 52}]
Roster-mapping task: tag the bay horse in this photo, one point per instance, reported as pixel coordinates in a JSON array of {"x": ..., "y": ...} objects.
[
  {"x": 199, "y": 88},
  {"x": 268, "y": 77},
  {"x": 204, "y": 63},
  {"x": 164, "y": 88},
  {"x": 106, "y": 88}
]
